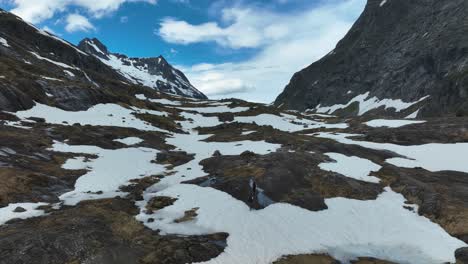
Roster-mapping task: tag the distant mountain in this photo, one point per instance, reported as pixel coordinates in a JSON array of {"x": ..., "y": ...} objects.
[
  {"x": 400, "y": 58},
  {"x": 152, "y": 72}
]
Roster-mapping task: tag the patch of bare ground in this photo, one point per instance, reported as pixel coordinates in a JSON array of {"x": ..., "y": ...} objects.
[
  {"x": 101, "y": 231},
  {"x": 280, "y": 179}
]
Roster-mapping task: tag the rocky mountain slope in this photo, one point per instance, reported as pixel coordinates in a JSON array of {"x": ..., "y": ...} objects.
[
  {"x": 152, "y": 72},
  {"x": 96, "y": 170},
  {"x": 400, "y": 57}
]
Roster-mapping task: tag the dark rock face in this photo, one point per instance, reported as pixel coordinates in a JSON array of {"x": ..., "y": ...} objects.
[
  {"x": 170, "y": 80},
  {"x": 397, "y": 50}
]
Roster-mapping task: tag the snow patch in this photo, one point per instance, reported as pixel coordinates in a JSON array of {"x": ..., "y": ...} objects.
[
  {"x": 4, "y": 42},
  {"x": 7, "y": 213},
  {"x": 433, "y": 157},
  {"x": 392, "y": 123},
  {"x": 63, "y": 65},
  {"x": 367, "y": 104},
  {"x": 112, "y": 169},
  {"x": 380, "y": 228},
  {"x": 98, "y": 115},
  {"x": 352, "y": 167},
  {"x": 130, "y": 141}
]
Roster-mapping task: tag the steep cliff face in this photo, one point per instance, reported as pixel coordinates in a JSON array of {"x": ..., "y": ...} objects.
[
  {"x": 155, "y": 72},
  {"x": 400, "y": 57}
]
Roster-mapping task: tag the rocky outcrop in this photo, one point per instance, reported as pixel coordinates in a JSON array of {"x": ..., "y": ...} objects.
[
  {"x": 397, "y": 49},
  {"x": 153, "y": 72}
]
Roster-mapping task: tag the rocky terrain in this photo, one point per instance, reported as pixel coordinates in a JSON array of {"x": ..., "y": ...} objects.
[
  {"x": 97, "y": 169},
  {"x": 400, "y": 58}
]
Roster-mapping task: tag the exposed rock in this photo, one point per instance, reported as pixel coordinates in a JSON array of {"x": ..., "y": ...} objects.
[
  {"x": 189, "y": 215},
  {"x": 159, "y": 202},
  {"x": 19, "y": 209}
]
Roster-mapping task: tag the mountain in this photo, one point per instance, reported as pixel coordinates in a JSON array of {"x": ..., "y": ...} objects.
[
  {"x": 411, "y": 56},
  {"x": 152, "y": 72},
  {"x": 36, "y": 66},
  {"x": 97, "y": 169}
]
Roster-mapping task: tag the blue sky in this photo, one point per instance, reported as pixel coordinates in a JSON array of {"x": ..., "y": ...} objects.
[{"x": 245, "y": 49}]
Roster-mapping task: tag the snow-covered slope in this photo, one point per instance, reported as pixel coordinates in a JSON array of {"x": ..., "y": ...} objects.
[{"x": 156, "y": 72}]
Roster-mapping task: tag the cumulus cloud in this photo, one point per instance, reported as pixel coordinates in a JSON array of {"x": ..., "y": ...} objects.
[
  {"x": 39, "y": 10},
  {"x": 247, "y": 29},
  {"x": 77, "y": 22},
  {"x": 287, "y": 44}
]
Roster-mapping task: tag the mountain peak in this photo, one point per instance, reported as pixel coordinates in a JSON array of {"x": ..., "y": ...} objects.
[
  {"x": 153, "y": 72},
  {"x": 94, "y": 46}
]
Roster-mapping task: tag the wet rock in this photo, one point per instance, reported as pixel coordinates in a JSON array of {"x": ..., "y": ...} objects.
[
  {"x": 461, "y": 255},
  {"x": 19, "y": 209}
]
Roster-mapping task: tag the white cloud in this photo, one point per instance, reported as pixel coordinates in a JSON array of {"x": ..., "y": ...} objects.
[
  {"x": 248, "y": 29},
  {"x": 124, "y": 19},
  {"x": 36, "y": 11},
  {"x": 51, "y": 31},
  {"x": 287, "y": 43},
  {"x": 76, "y": 22}
]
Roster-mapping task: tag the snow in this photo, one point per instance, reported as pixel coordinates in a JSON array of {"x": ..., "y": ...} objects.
[
  {"x": 16, "y": 124},
  {"x": 4, "y": 42},
  {"x": 130, "y": 141},
  {"x": 216, "y": 109},
  {"x": 285, "y": 122},
  {"x": 433, "y": 157},
  {"x": 379, "y": 228},
  {"x": 112, "y": 169},
  {"x": 63, "y": 65},
  {"x": 51, "y": 79},
  {"x": 49, "y": 95},
  {"x": 69, "y": 73},
  {"x": 98, "y": 115},
  {"x": 89, "y": 79},
  {"x": 352, "y": 167},
  {"x": 367, "y": 104},
  {"x": 96, "y": 48},
  {"x": 413, "y": 115},
  {"x": 383, "y": 3},
  {"x": 392, "y": 123},
  {"x": 7, "y": 214},
  {"x": 246, "y": 133}
]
